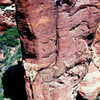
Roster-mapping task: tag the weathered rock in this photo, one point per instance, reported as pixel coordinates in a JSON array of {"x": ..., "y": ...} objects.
[
  {"x": 90, "y": 86},
  {"x": 7, "y": 18},
  {"x": 39, "y": 35},
  {"x": 5, "y": 2},
  {"x": 96, "y": 48},
  {"x": 55, "y": 42}
]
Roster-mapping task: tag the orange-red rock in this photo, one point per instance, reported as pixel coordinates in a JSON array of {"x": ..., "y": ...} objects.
[
  {"x": 5, "y": 2},
  {"x": 55, "y": 42},
  {"x": 7, "y": 18}
]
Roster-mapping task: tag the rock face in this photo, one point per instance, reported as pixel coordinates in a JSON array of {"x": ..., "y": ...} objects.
[
  {"x": 56, "y": 40},
  {"x": 90, "y": 86},
  {"x": 95, "y": 47}
]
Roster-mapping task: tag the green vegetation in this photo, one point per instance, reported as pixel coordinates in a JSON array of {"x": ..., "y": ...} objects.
[
  {"x": 10, "y": 59},
  {"x": 2, "y": 7},
  {"x": 1, "y": 90},
  {"x": 8, "y": 41},
  {"x": 10, "y": 45},
  {"x": 9, "y": 38},
  {"x": 98, "y": 97}
]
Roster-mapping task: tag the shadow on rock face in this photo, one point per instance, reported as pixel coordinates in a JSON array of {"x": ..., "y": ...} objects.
[
  {"x": 14, "y": 83},
  {"x": 79, "y": 97},
  {"x": 13, "y": 1}
]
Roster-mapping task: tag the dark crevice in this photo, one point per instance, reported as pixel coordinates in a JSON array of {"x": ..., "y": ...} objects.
[
  {"x": 88, "y": 26},
  {"x": 27, "y": 55},
  {"x": 67, "y": 2},
  {"x": 56, "y": 77},
  {"x": 78, "y": 76},
  {"x": 57, "y": 3},
  {"x": 79, "y": 63},
  {"x": 56, "y": 51},
  {"x": 13, "y": 1},
  {"x": 14, "y": 83},
  {"x": 89, "y": 60},
  {"x": 79, "y": 97},
  {"x": 30, "y": 56},
  {"x": 90, "y": 37},
  {"x": 41, "y": 69},
  {"x": 73, "y": 28},
  {"x": 70, "y": 74},
  {"x": 60, "y": 82},
  {"x": 90, "y": 43},
  {"x": 57, "y": 36},
  {"x": 31, "y": 88},
  {"x": 69, "y": 68}
]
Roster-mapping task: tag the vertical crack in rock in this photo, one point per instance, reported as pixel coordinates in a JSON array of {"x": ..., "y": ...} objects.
[
  {"x": 31, "y": 88},
  {"x": 57, "y": 35},
  {"x": 55, "y": 40}
]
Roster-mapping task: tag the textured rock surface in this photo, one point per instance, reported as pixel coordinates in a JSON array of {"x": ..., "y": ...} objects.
[
  {"x": 96, "y": 48},
  {"x": 90, "y": 85},
  {"x": 7, "y": 18},
  {"x": 5, "y": 2},
  {"x": 56, "y": 40}
]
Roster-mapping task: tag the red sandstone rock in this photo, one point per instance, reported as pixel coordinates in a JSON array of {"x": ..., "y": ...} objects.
[
  {"x": 5, "y": 2},
  {"x": 41, "y": 30},
  {"x": 7, "y": 18},
  {"x": 55, "y": 42},
  {"x": 89, "y": 87},
  {"x": 96, "y": 47}
]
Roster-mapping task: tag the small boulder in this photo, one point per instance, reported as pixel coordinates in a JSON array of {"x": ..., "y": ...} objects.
[{"x": 90, "y": 85}]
